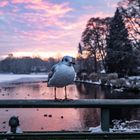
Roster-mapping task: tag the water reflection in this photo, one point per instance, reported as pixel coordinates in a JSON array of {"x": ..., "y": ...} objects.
[
  {"x": 124, "y": 113},
  {"x": 40, "y": 119},
  {"x": 61, "y": 119},
  {"x": 88, "y": 91}
]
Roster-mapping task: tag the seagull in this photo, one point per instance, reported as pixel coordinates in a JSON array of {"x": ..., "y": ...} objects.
[{"x": 62, "y": 74}]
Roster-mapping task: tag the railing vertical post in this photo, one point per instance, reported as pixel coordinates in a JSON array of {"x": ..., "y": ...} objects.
[{"x": 105, "y": 119}]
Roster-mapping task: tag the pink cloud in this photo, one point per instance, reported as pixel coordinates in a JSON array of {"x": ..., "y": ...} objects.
[
  {"x": 103, "y": 15},
  {"x": 37, "y": 20},
  {"x": 47, "y": 7},
  {"x": 60, "y": 9},
  {"x": 43, "y": 35},
  {"x": 110, "y": 3},
  {"x": 25, "y": 1},
  {"x": 46, "y": 14},
  {"x": 1, "y": 13},
  {"x": 68, "y": 30},
  {"x": 89, "y": 7},
  {"x": 3, "y": 3},
  {"x": 51, "y": 9}
]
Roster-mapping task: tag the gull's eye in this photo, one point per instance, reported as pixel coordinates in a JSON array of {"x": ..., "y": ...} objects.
[{"x": 66, "y": 60}]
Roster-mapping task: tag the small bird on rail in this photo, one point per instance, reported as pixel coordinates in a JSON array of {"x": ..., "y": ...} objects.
[
  {"x": 62, "y": 74},
  {"x": 14, "y": 125}
]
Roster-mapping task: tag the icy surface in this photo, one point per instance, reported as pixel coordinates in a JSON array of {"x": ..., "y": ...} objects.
[
  {"x": 120, "y": 126},
  {"x": 95, "y": 129},
  {"x": 15, "y": 78},
  {"x": 134, "y": 77}
]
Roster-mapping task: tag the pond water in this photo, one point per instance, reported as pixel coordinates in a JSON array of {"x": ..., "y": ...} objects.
[{"x": 38, "y": 119}]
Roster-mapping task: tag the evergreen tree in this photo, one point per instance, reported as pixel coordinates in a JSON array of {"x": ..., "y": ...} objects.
[{"x": 119, "y": 56}]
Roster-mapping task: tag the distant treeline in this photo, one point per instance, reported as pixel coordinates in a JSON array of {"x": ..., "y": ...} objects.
[{"x": 26, "y": 65}]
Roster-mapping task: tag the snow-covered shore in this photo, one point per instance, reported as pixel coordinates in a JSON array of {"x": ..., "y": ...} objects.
[
  {"x": 22, "y": 78},
  {"x": 131, "y": 83},
  {"x": 119, "y": 126}
]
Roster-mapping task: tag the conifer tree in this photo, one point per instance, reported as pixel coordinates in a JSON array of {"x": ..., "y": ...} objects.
[{"x": 119, "y": 50}]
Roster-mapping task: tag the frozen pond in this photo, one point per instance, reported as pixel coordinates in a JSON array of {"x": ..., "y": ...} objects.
[
  {"x": 48, "y": 119},
  {"x": 45, "y": 119}
]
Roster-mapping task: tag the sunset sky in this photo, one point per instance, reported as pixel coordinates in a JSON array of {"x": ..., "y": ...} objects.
[{"x": 47, "y": 27}]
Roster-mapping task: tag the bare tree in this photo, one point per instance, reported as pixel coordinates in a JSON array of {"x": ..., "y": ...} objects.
[
  {"x": 94, "y": 39},
  {"x": 130, "y": 10}
]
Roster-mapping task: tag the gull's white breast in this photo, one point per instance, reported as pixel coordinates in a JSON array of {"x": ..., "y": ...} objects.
[{"x": 63, "y": 75}]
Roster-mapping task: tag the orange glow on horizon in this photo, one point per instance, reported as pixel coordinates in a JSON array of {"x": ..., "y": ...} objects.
[{"x": 44, "y": 55}]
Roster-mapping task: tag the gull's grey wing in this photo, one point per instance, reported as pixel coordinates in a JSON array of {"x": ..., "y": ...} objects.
[{"x": 53, "y": 69}]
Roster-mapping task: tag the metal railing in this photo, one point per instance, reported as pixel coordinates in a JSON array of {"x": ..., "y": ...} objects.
[{"x": 104, "y": 104}]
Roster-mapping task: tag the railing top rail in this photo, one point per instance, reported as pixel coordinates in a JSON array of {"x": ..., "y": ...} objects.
[
  {"x": 67, "y": 135},
  {"x": 83, "y": 103}
]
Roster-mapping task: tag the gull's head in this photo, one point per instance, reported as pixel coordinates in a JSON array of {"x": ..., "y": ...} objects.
[
  {"x": 68, "y": 60},
  {"x": 14, "y": 121}
]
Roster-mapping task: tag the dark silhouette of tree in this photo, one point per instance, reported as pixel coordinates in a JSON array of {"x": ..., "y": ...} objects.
[
  {"x": 25, "y": 65},
  {"x": 94, "y": 40},
  {"x": 130, "y": 10},
  {"x": 120, "y": 56}
]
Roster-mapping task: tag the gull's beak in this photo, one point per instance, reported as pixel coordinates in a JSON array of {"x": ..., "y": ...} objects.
[{"x": 73, "y": 61}]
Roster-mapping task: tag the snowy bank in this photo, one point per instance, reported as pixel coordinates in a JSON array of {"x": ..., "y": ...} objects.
[
  {"x": 22, "y": 78},
  {"x": 131, "y": 83},
  {"x": 119, "y": 126}
]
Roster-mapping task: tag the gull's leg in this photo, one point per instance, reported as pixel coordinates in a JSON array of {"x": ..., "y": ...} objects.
[
  {"x": 65, "y": 93},
  {"x": 55, "y": 93}
]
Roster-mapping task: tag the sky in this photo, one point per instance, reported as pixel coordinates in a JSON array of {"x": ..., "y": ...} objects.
[{"x": 47, "y": 28}]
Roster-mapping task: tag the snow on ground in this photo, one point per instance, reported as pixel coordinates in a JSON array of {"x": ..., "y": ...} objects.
[
  {"x": 16, "y": 78},
  {"x": 119, "y": 126},
  {"x": 98, "y": 129},
  {"x": 134, "y": 77}
]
